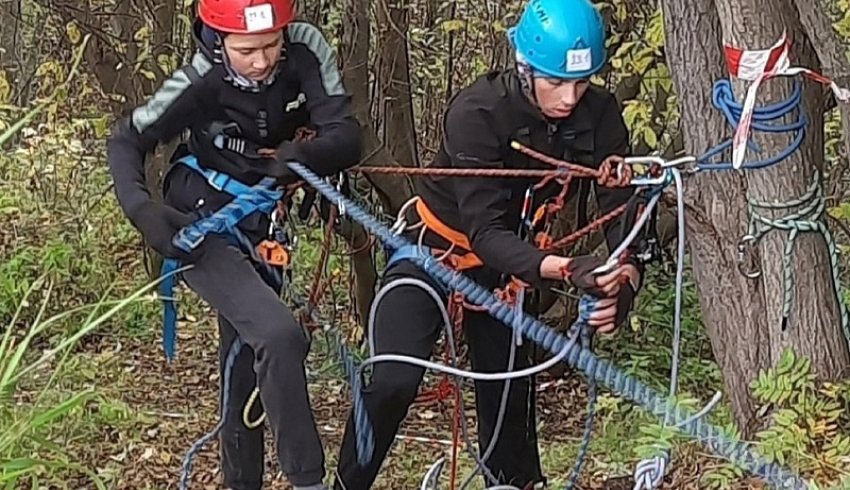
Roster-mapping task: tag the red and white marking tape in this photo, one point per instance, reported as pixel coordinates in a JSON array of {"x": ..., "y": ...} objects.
[{"x": 757, "y": 66}]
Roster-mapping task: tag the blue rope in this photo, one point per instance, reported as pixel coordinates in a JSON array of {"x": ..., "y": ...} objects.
[
  {"x": 723, "y": 98},
  {"x": 585, "y": 308},
  {"x": 596, "y": 369},
  {"x": 232, "y": 353}
]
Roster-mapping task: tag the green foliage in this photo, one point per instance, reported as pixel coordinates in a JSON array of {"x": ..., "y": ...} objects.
[
  {"x": 33, "y": 428},
  {"x": 810, "y": 420},
  {"x": 809, "y": 423}
]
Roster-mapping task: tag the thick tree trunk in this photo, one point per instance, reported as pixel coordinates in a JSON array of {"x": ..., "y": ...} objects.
[
  {"x": 742, "y": 315},
  {"x": 355, "y": 60},
  {"x": 717, "y": 206},
  {"x": 814, "y": 327}
]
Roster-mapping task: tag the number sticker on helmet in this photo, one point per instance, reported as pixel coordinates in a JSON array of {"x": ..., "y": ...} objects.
[
  {"x": 579, "y": 59},
  {"x": 259, "y": 17}
]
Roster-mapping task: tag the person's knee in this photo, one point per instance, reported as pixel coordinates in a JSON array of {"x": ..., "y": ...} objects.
[
  {"x": 281, "y": 335},
  {"x": 396, "y": 384}
]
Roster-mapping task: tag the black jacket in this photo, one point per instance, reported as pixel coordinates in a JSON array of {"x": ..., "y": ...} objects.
[
  {"x": 307, "y": 91},
  {"x": 479, "y": 125}
]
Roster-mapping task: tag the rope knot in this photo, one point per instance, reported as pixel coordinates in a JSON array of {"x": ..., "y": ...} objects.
[
  {"x": 649, "y": 473},
  {"x": 613, "y": 172}
]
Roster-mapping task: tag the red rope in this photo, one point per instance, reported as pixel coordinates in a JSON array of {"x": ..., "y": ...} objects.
[{"x": 461, "y": 172}]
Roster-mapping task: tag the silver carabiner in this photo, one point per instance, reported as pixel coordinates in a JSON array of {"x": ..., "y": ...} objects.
[
  {"x": 272, "y": 222},
  {"x": 742, "y": 248},
  {"x": 340, "y": 206}
]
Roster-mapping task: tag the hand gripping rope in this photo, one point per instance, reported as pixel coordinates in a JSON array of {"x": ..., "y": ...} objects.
[{"x": 556, "y": 343}]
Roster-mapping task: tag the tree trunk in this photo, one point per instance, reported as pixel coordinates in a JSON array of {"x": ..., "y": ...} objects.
[
  {"x": 717, "y": 205},
  {"x": 399, "y": 130},
  {"x": 354, "y": 52},
  {"x": 17, "y": 58},
  {"x": 814, "y": 326},
  {"x": 743, "y": 326},
  {"x": 832, "y": 53},
  {"x": 10, "y": 15}
]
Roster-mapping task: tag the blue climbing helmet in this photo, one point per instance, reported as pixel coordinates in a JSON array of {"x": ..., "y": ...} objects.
[{"x": 560, "y": 38}]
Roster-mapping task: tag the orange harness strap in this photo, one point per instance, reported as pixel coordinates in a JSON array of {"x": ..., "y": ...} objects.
[{"x": 457, "y": 240}]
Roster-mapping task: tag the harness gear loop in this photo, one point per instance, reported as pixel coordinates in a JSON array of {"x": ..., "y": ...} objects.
[{"x": 429, "y": 221}]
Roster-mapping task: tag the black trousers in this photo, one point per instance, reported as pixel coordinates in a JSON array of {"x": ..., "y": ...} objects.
[
  {"x": 272, "y": 358},
  {"x": 408, "y": 322}
]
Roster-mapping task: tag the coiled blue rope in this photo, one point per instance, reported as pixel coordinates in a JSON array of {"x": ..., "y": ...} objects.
[
  {"x": 723, "y": 98},
  {"x": 597, "y": 369}
]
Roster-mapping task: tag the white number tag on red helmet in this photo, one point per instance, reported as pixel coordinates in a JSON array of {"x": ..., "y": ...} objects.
[
  {"x": 579, "y": 59},
  {"x": 259, "y": 17}
]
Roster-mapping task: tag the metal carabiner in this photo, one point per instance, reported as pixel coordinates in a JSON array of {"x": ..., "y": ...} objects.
[
  {"x": 680, "y": 162},
  {"x": 742, "y": 247},
  {"x": 340, "y": 206},
  {"x": 272, "y": 221}
]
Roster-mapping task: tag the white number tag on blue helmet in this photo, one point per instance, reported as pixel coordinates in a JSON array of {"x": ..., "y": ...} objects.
[{"x": 579, "y": 59}]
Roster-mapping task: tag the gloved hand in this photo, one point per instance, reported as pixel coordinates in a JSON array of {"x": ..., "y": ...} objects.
[
  {"x": 158, "y": 224},
  {"x": 625, "y": 302},
  {"x": 579, "y": 272},
  {"x": 287, "y": 152}
]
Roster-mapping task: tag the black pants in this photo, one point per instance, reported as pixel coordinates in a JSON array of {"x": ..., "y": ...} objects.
[
  {"x": 272, "y": 359},
  {"x": 408, "y": 322}
]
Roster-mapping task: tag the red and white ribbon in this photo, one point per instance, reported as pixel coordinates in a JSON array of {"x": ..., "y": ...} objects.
[{"x": 757, "y": 66}]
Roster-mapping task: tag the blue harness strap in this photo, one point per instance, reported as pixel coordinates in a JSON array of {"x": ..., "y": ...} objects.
[
  {"x": 219, "y": 181},
  {"x": 407, "y": 252},
  {"x": 246, "y": 200}
]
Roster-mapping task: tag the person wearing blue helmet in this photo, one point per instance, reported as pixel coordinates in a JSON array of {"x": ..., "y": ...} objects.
[{"x": 476, "y": 225}]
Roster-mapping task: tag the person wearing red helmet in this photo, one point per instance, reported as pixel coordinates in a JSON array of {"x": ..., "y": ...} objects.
[{"x": 257, "y": 77}]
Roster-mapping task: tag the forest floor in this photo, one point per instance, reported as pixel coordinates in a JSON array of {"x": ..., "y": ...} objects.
[{"x": 169, "y": 406}]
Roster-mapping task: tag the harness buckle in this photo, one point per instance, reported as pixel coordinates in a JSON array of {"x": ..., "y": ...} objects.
[{"x": 218, "y": 180}]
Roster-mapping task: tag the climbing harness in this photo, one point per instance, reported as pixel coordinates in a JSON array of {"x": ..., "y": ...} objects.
[{"x": 247, "y": 200}]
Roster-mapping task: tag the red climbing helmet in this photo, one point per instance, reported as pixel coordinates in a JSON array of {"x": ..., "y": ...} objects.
[{"x": 246, "y": 16}]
